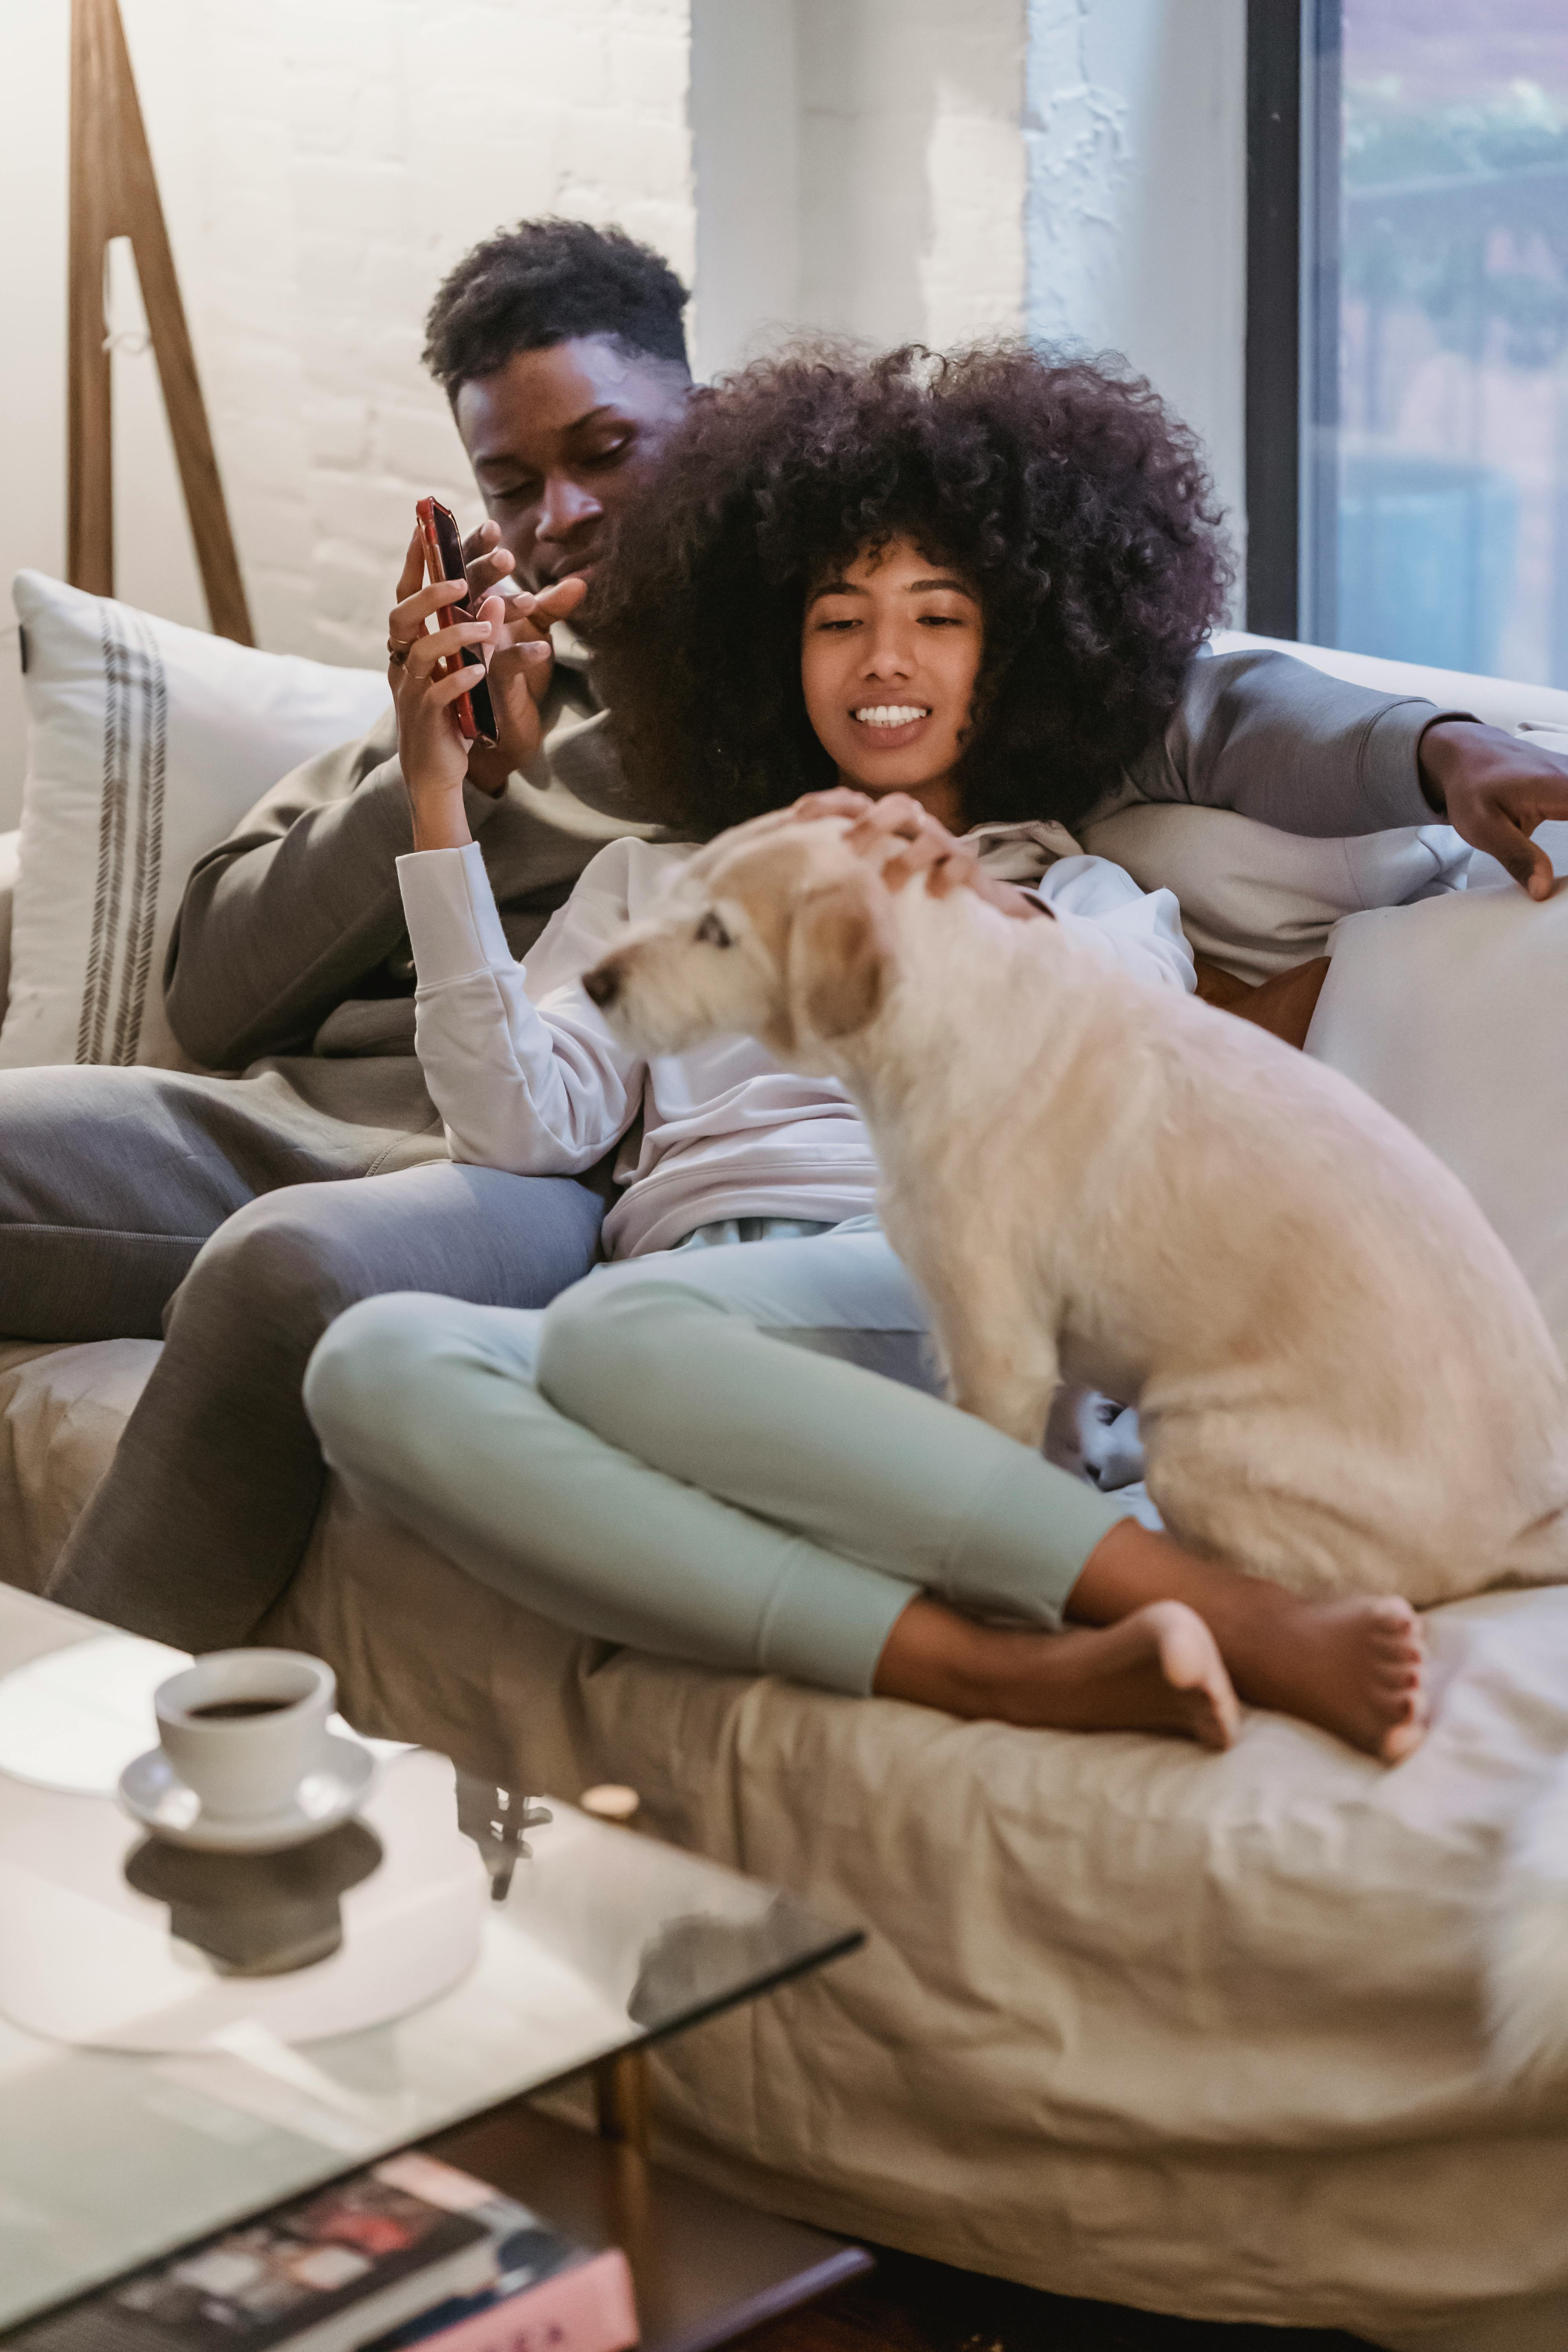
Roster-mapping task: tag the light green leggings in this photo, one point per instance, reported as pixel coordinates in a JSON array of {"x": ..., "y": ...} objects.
[{"x": 691, "y": 1454}]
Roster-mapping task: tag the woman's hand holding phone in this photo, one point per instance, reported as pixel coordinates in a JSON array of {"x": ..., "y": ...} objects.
[
  {"x": 431, "y": 747},
  {"x": 512, "y": 632}
]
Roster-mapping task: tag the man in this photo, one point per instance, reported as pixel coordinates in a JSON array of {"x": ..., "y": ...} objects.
[
  {"x": 213, "y": 1210},
  {"x": 217, "y": 1208}
]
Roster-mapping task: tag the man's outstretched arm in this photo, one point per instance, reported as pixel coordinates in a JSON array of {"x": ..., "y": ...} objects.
[{"x": 1271, "y": 738}]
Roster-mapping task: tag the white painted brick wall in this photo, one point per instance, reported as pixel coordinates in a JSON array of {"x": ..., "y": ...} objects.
[
  {"x": 359, "y": 147},
  {"x": 911, "y": 167},
  {"x": 874, "y": 167},
  {"x": 1135, "y": 131},
  {"x": 860, "y": 169},
  {"x": 323, "y": 162}
]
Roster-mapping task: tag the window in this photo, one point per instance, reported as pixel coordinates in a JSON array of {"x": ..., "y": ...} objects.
[{"x": 1407, "y": 378}]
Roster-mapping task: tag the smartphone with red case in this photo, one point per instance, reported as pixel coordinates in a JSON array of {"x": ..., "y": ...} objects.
[{"x": 443, "y": 546}]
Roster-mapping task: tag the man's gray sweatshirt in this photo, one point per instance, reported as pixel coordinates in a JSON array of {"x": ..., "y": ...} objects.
[{"x": 289, "y": 953}]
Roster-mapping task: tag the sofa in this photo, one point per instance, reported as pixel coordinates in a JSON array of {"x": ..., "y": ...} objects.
[{"x": 1203, "y": 2034}]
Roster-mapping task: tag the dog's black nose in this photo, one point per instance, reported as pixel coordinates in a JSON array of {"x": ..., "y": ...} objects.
[{"x": 603, "y": 983}]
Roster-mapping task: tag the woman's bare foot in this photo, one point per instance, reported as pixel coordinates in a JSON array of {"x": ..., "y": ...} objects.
[
  {"x": 1159, "y": 1669},
  {"x": 1356, "y": 1668}
]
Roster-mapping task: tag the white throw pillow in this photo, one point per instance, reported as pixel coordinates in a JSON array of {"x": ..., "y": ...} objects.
[
  {"x": 147, "y": 744},
  {"x": 1257, "y": 901}
]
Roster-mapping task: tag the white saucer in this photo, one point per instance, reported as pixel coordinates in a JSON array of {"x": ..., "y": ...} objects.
[
  {"x": 73, "y": 1719},
  {"x": 104, "y": 1965},
  {"x": 151, "y": 1790}
]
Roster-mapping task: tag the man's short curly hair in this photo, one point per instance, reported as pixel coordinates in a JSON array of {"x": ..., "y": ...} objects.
[
  {"x": 1062, "y": 489},
  {"x": 548, "y": 281}
]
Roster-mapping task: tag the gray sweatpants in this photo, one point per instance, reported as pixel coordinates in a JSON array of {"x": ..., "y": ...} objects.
[{"x": 214, "y": 1212}]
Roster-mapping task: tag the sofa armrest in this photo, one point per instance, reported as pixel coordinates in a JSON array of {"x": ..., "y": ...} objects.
[
  {"x": 10, "y": 863},
  {"x": 1500, "y": 701}
]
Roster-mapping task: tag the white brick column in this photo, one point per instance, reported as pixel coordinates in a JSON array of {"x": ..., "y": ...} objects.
[
  {"x": 1136, "y": 130},
  {"x": 859, "y": 169}
]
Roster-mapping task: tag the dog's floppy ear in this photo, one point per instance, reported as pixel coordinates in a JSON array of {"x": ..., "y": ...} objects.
[{"x": 838, "y": 958}]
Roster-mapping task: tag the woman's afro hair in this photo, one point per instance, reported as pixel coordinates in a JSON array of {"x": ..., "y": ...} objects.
[{"x": 1062, "y": 489}]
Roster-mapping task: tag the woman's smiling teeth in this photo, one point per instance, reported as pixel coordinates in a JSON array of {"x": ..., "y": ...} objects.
[{"x": 892, "y": 714}]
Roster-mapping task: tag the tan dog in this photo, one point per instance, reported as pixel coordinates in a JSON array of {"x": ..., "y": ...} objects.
[{"x": 1342, "y": 1380}]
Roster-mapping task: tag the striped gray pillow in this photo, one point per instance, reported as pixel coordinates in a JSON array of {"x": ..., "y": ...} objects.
[
  {"x": 147, "y": 744},
  {"x": 130, "y": 838}
]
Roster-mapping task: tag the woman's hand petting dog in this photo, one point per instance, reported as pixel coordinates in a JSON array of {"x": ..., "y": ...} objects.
[{"x": 947, "y": 862}]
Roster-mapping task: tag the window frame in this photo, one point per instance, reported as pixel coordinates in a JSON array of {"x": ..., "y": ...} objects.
[{"x": 1291, "y": 414}]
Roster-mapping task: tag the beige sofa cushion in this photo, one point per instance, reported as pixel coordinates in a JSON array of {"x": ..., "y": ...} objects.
[
  {"x": 1133, "y": 2022},
  {"x": 61, "y": 1413}
]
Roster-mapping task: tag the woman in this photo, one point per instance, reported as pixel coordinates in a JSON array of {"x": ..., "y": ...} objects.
[{"x": 966, "y": 590}]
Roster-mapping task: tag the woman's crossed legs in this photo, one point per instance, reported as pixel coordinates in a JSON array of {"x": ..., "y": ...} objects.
[{"x": 697, "y": 1455}]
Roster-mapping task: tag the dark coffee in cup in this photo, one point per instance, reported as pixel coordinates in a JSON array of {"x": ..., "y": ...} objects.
[
  {"x": 227, "y": 1710},
  {"x": 243, "y": 1728}
]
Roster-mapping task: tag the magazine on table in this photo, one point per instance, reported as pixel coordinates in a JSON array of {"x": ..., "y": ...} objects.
[
  {"x": 409, "y": 2252},
  {"x": 549, "y": 2293}
]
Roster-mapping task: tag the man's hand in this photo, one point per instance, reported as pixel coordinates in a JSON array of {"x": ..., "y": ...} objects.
[
  {"x": 947, "y": 862},
  {"x": 487, "y": 562},
  {"x": 1495, "y": 789},
  {"x": 521, "y": 632},
  {"x": 520, "y": 666}
]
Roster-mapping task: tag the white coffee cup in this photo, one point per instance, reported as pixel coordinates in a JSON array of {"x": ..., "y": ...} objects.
[{"x": 243, "y": 1728}]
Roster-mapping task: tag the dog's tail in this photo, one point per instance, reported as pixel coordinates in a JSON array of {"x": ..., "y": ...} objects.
[{"x": 1527, "y": 1945}]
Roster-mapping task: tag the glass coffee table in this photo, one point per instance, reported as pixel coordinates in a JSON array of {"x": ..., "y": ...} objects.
[{"x": 185, "y": 2038}]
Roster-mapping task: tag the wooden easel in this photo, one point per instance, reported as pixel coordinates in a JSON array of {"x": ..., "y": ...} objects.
[{"x": 113, "y": 193}]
